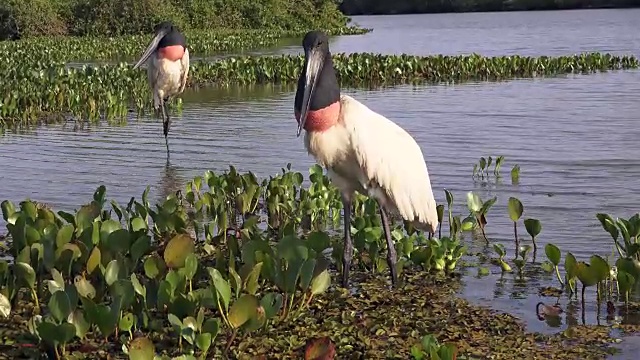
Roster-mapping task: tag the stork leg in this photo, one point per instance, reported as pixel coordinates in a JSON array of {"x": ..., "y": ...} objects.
[
  {"x": 348, "y": 245},
  {"x": 392, "y": 257},
  {"x": 166, "y": 122}
]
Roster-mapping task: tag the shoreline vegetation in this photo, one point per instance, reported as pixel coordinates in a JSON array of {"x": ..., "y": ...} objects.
[
  {"x": 52, "y": 92},
  {"x": 238, "y": 265},
  {"x": 398, "y": 7}
]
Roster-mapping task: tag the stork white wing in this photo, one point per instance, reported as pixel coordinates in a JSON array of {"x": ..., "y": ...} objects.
[
  {"x": 393, "y": 161},
  {"x": 184, "y": 62}
]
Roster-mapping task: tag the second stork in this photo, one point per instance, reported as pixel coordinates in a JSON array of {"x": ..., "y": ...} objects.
[
  {"x": 167, "y": 68},
  {"x": 362, "y": 151}
]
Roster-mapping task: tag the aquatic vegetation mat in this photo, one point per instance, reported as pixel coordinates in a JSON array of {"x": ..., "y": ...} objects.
[
  {"x": 243, "y": 267},
  {"x": 201, "y": 43},
  {"x": 50, "y": 91}
]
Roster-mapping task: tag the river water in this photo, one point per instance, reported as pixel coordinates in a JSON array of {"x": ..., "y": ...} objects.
[{"x": 574, "y": 137}]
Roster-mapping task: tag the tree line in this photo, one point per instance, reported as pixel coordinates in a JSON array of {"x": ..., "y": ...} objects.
[{"x": 25, "y": 18}]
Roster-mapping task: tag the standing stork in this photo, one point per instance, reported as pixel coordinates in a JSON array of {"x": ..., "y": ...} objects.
[
  {"x": 167, "y": 69},
  {"x": 362, "y": 151}
]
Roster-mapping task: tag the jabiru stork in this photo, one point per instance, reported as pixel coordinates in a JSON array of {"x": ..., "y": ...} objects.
[
  {"x": 362, "y": 151},
  {"x": 167, "y": 68}
]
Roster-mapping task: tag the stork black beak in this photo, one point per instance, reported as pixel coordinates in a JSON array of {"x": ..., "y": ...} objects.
[
  {"x": 152, "y": 47},
  {"x": 314, "y": 60}
]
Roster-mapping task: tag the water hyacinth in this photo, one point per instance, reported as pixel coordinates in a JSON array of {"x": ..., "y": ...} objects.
[
  {"x": 238, "y": 266},
  {"x": 53, "y": 91}
]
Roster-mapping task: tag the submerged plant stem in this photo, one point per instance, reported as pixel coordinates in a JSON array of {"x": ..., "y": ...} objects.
[
  {"x": 233, "y": 337},
  {"x": 35, "y": 298},
  {"x": 485, "y": 235},
  {"x": 222, "y": 313},
  {"x": 515, "y": 234},
  {"x": 559, "y": 277}
]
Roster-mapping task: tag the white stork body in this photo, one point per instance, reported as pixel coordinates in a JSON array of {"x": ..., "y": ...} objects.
[
  {"x": 370, "y": 154},
  {"x": 167, "y": 78},
  {"x": 167, "y": 59},
  {"x": 362, "y": 151}
]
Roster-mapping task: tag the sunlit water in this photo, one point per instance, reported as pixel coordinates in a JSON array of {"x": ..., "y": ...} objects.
[{"x": 574, "y": 137}]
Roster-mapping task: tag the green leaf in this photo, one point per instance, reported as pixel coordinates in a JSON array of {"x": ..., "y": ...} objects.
[
  {"x": 318, "y": 241},
  {"x": 608, "y": 224},
  {"x": 64, "y": 235},
  {"x": 600, "y": 267},
  {"x": 515, "y": 209},
  {"x": 251, "y": 283},
  {"x": 306, "y": 273},
  {"x": 235, "y": 280},
  {"x": 126, "y": 322},
  {"x": 81, "y": 324},
  {"x": 49, "y": 332},
  {"x": 631, "y": 266},
  {"x": 26, "y": 273},
  {"x": 154, "y": 267},
  {"x": 118, "y": 241},
  {"x": 123, "y": 289},
  {"x": 553, "y": 253},
  {"x": 533, "y": 226},
  {"x": 474, "y": 203},
  {"x": 8, "y": 209},
  {"x": 108, "y": 316},
  {"x": 203, "y": 341},
  {"x": 271, "y": 303},
  {"x": 112, "y": 272},
  {"x": 137, "y": 286},
  {"x": 60, "y": 306},
  {"x": 488, "y": 204},
  {"x": 242, "y": 310},
  {"x": 137, "y": 224},
  {"x": 586, "y": 274},
  {"x": 5, "y": 306},
  {"x": 66, "y": 332},
  {"x": 211, "y": 326},
  {"x": 141, "y": 349},
  {"x": 177, "y": 250},
  {"x": 625, "y": 281},
  {"x": 94, "y": 260},
  {"x": 449, "y": 197},
  {"x": 221, "y": 285},
  {"x": 570, "y": 265},
  {"x": 321, "y": 283},
  {"x": 57, "y": 283},
  {"x": 191, "y": 266},
  {"x": 140, "y": 248},
  {"x": 84, "y": 287}
]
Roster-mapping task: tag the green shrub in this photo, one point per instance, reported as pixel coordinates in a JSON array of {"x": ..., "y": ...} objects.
[
  {"x": 25, "y": 18},
  {"x": 116, "y": 17}
]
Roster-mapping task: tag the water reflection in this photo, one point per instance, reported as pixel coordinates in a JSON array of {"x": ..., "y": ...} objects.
[{"x": 171, "y": 180}]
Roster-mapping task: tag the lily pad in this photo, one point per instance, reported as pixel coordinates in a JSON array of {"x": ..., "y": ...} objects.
[
  {"x": 242, "y": 310},
  {"x": 141, "y": 349},
  {"x": 177, "y": 250}
]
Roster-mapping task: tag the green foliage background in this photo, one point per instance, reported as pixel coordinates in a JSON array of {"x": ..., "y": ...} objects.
[{"x": 26, "y": 18}]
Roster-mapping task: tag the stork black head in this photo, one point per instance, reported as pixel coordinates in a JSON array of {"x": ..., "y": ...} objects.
[
  {"x": 317, "y": 85},
  {"x": 166, "y": 34},
  {"x": 165, "y": 25}
]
